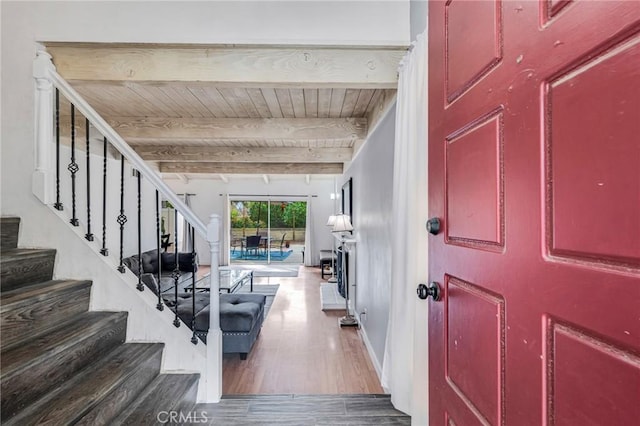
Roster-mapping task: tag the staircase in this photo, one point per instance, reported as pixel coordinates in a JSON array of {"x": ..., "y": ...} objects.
[{"x": 61, "y": 364}]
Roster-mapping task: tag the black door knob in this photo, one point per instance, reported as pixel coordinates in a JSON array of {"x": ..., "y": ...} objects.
[
  {"x": 433, "y": 225},
  {"x": 433, "y": 290}
]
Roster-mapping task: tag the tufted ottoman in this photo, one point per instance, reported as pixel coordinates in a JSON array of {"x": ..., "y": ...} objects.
[{"x": 241, "y": 317}]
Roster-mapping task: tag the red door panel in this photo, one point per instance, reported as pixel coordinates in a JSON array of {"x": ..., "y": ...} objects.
[
  {"x": 592, "y": 157},
  {"x": 534, "y": 168},
  {"x": 474, "y": 183},
  {"x": 475, "y": 325}
]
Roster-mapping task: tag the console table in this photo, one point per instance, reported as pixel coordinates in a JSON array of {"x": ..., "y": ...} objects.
[{"x": 327, "y": 258}]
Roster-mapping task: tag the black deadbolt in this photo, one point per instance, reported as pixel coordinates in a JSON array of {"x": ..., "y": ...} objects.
[
  {"x": 433, "y": 225},
  {"x": 433, "y": 290}
]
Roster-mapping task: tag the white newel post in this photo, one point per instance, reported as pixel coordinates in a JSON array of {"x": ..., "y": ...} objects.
[
  {"x": 42, "y": 183},
  {"x": 214, "y": 337}
]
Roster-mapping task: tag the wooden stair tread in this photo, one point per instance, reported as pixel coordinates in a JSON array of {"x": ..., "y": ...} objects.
[
  {"x": 21, "y": 252},
  {"x": 9, "y": 228},
  {"x": 57, "y": 354},
  {"x": 77, "y": 397},
  {"x": 20, "y": 267},
  {"x": 41, "y": 289},
  {"x": 19, "y": 357},
  {"x": 166, "y": 393},
  {"x": 33, "y": 309}
]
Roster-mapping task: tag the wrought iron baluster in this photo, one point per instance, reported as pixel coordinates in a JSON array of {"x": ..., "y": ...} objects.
[
  {"x": 88, "y": 235},
  {"x": 160, "y": 305},
  {"x": 140, "y": 287},
  {"x": 58, "y": 204},
  {"x": 176, "y": 270},
  {"x": 104, "y": 250},
  {"x": 122, "y": 219},
  {"x": 194, "y": 339},
  {"x": 73, "y": 168}
]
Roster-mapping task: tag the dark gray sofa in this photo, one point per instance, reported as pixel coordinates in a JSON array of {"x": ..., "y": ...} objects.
[
  {"x": 167, "y": 267},
  {"x": 241, "y": 315}
]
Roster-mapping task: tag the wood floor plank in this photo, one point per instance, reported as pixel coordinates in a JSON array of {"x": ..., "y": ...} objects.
[
  {"x": 370, "y": 407},
  {"x": 107, "y": 385},
  {"x": 165, "y": 393},
  {"x": 364, "y": 420},
  {"x": 57, "y": 355},
  {"x": 40, "y": 307},
  {"x": 304, "y": 410},
  {"x": 302, "y": 349},
  {"x": 9, "y": 228},
  {"x": 328, "y": 407},
  {"x": 19, "y": 267}
]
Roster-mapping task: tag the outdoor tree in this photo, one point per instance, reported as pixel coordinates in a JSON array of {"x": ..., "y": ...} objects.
[
  {"x": 295, "y": 215},
  {"x": 277, "y": 210},
  {"x": 240, "y": 217}
]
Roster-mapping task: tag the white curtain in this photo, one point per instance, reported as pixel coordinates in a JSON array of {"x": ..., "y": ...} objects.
[
  {"x": 309, "y": 240},
  {"x": 409, "y": 249},
  {"x": 225, "y": 239}
]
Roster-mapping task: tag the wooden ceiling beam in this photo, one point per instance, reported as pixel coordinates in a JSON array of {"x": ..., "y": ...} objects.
[
  {"x": 242, "y": 154},
  {"x": 162, "y": 129},
  {"x": 205, "y": 129},
  {"x": 252, "y": 168},
  {"x": 369, "y": 67}
]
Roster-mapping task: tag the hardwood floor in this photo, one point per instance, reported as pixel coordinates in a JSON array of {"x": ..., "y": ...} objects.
[{"x": 302, "y": 349}]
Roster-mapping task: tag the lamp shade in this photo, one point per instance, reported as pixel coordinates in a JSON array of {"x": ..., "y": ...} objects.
[
  {"x": 332, "y": 220},
  {"x": 342, "y": 223}
]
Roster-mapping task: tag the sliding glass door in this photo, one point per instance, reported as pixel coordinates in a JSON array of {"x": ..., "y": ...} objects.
[{"x": 267, "y": 231}]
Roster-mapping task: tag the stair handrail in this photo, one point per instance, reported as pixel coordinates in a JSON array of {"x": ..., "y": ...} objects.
[
  {"x": 45, "y": 74},
  {"x": 125, "y": 149}
]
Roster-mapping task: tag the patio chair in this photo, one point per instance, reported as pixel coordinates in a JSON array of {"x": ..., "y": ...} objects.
[
  {"x": 275, "y": 245},
  {"x": 253, "y": 243},
  {"x": 164, "y": 242}
]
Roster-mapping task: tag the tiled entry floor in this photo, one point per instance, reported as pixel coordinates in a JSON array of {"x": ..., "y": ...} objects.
[{"x": 302, "y": 410}]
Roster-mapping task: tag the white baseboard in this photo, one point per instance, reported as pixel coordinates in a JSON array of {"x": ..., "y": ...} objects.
[{"x": 372, "y": 355}]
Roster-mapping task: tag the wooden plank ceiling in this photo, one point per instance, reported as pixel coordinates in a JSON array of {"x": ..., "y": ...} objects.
[{"x": 219, "y": 110}]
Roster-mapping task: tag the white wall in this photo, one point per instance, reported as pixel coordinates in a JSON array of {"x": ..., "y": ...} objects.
[
  {"x": 208, "y": 200},
  {"x": 372, "y": 194},
  {"x": 418, "y": 17}
]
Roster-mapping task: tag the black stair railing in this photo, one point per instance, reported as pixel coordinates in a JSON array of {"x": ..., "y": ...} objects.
[
  {"x": 183, "y": 297},
  {"x": 176, "y": 269},
  {"x": 58, "y": 204},
  {"x": 122, "y": 218},
  {"x": 73, "y": 168},
  {"x": 160, "y": 305},
  {"x": 89, "y": 234},
  {"x": 194, "y": 268},
  {"x": 140, "y": 287},
  {"x": 104, "y": 250}
]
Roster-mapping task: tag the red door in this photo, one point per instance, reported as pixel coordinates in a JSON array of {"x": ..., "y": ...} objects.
[{"x": 534, "y": 171}]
